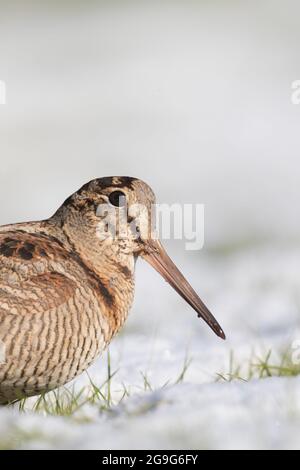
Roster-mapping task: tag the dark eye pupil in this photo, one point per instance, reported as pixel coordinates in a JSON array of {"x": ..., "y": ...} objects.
[{"x": 117, "y": 199}]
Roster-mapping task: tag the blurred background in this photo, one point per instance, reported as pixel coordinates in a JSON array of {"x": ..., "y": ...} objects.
[{"x": 194, "y": 97}]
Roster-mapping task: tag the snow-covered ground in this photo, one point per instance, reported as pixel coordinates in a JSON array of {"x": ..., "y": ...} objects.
[{"x": 255, "y": 296}]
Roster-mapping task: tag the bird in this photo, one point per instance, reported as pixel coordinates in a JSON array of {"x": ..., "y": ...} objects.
[{"x": 67, "y": 283}]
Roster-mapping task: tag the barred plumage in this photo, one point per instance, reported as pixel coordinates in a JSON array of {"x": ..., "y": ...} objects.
[{"x": 67, "y": 285}]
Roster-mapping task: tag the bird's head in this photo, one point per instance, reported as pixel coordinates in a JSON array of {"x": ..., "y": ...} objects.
[{"x": 115, "y": 217}]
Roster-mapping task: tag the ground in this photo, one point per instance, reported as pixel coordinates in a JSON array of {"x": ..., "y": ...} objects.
[{"x": 169, "y": 383}]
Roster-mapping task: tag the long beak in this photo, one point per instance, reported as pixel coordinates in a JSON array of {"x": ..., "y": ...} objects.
[{"x": 159, "y": 260}]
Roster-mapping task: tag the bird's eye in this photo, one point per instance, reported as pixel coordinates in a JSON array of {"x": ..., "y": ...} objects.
[{"x": 117, "y": 199}]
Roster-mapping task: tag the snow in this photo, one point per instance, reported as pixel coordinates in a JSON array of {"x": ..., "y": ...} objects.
[{"x": 258, "y": 415}]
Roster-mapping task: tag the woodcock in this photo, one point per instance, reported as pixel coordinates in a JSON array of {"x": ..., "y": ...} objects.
[{"x": 67, "y": 284}]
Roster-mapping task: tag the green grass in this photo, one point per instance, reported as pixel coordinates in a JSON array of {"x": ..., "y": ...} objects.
[
  {"x": 260, "y": 367},
  {"x": 68, "y": 402},
  {"x": 105, "y": 398}
]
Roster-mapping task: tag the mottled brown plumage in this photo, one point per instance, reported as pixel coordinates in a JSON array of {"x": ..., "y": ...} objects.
[{"x": 67, "y": 285}]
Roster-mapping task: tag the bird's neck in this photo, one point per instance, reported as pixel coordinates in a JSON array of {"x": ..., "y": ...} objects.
[{"x": 113, "y": 267}]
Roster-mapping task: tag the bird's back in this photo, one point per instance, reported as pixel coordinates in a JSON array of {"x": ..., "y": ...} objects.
[{"x": 53, "y": 317}]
